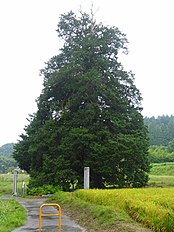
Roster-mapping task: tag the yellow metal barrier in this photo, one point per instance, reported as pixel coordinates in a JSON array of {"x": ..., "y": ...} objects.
[{"x": 41, "y": 214}]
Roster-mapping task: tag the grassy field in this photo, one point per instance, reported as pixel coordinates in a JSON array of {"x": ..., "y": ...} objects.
[
  {"x": 162, "y": 175},
  {"x": 6, "y": 183},
  {"x": 12, "y": 214},
  {"x": 165, "y": 169}
]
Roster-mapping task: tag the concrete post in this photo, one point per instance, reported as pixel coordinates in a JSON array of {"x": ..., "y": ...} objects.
[
  {"x": 86, "y": 177},
  {"x": 23, "y": 187},
  {"x": 15, "y": 182}
]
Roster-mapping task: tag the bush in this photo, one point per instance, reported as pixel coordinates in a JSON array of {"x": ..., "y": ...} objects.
[{"x": 44, "y": 190}]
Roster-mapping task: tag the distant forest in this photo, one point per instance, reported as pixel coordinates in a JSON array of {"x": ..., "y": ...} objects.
[
  {"x": 7, "y": 162},
  {"x": 161, "y": 129},
  {"x": 161, "y": 138}
]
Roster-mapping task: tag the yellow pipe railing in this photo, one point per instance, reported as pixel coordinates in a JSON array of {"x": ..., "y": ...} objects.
[{"x": 59, "y": 215}]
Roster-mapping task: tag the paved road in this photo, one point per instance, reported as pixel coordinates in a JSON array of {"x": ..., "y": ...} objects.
[{"x": 49, "y": 224}]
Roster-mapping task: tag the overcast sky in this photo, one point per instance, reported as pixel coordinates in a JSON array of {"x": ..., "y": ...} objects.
[{"x": 28, "y": 38}]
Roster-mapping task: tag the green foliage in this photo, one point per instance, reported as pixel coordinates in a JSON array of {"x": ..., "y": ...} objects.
[
  {"x": 12, "y": 215},
  {"x": 88, "y": 114},
  {"x": 21, "y": 153},
  {"x": 161, "y": 130},
  {"x": 44, "y": 190},
  {"x": 160, "y": 154},
  {"x": 7, "y": 164},
  {"x": 170, "y": 147}
]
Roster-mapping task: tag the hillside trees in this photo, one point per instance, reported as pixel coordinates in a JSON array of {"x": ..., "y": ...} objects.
[
  {"x": 7, "y": 149},
  {"x": 7, "y": 163},
  {"x": 89, "y": 113},
  {"x": 161, "y": 129},
  {"x": 161, "y": 134}
]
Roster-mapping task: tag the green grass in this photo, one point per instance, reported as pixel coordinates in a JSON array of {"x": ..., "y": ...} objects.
[
  {"x": 162, "y": 169},
  {"x": 6, "y": 183},
  {"x": 162, "y": 175},
  {"x": 161, "y": 181},
  {"x": 12, "y": 215}
]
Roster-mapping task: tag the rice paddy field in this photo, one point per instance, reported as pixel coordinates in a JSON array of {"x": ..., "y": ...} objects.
[{"x": 153, "y": 207}]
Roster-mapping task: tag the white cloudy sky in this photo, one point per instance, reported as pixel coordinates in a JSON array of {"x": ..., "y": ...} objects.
[{"x": 28, "y": 38}]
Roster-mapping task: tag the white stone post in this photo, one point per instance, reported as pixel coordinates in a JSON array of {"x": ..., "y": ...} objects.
[
  {"x": 86, "y": 177},
  {"x": 15, "y": 182},
  {"x": 23, "y": 187}
]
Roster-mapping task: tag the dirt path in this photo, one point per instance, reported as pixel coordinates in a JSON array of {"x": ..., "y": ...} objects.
[{"x": 50, "y": 224}]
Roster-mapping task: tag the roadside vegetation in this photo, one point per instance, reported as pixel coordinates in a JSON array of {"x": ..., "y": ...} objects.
[{"x": 12, "y": 214}]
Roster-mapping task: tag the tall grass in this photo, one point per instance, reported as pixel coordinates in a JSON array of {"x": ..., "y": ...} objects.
[{"x": 12, "y": 215}]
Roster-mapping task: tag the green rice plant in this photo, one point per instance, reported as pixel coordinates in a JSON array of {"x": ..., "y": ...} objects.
[{"x": 12, "y": 215}]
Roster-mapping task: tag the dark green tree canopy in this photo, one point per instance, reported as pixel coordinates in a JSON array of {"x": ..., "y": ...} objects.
[{"x": 89, "y": 112}]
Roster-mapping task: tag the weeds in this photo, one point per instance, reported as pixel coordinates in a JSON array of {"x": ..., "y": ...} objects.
[{"x": 12, "y": 215}]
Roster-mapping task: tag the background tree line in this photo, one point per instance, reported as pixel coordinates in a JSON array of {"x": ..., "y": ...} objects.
[
  {"x": 161, "y": 135},
  {"x": 7, "y": 162}
]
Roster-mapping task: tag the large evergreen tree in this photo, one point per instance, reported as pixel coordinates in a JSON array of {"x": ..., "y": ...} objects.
[{"x": 88, "y": 114}]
